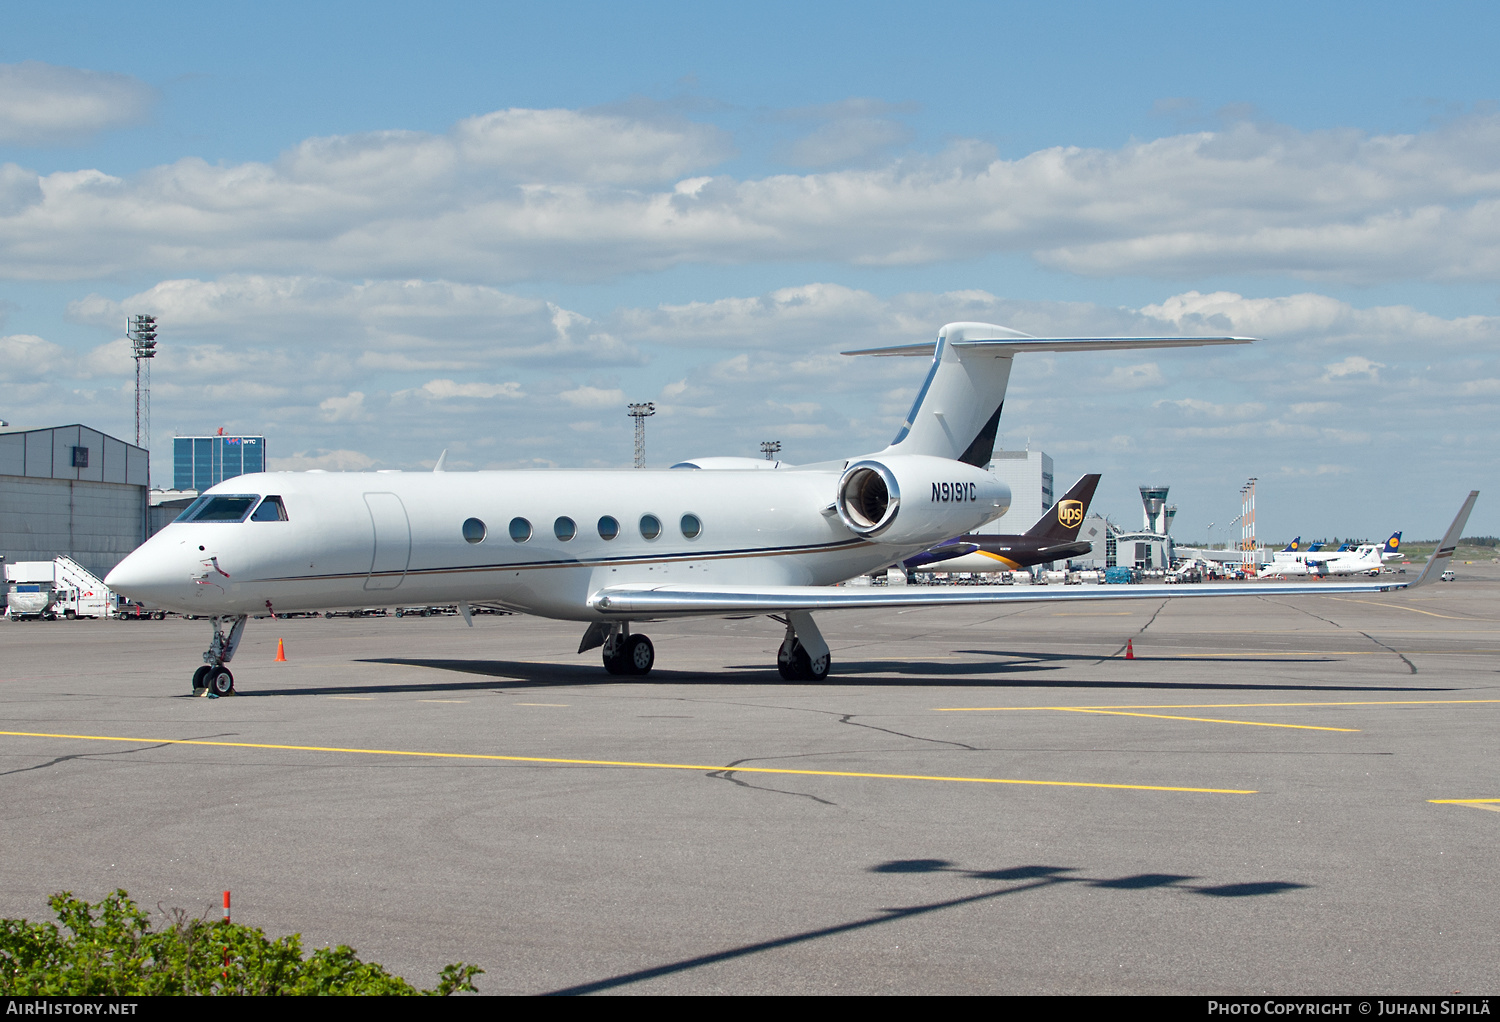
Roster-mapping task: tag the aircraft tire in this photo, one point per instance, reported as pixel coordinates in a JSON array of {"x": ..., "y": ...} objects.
[
  {"x": 640, "y": 655},
  {"x": 616, "y": 664},
  {"x": 200, "y": 679},
  {"x": 808, "y": 669},
  {"x": 220, "y": 682}
]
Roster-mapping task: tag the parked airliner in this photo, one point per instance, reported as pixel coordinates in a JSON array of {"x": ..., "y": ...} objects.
[
  {"x": 1365, "y": 558},
  {"x": 611, "y": 549}
]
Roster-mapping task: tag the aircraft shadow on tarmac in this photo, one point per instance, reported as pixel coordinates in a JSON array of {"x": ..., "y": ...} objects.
[
  {"x": 876, "y": 673},
  {"x": 1018, "y": 879}
]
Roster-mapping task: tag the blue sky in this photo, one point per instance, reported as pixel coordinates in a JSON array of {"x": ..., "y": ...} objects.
[{"x": 374, "y": 231}]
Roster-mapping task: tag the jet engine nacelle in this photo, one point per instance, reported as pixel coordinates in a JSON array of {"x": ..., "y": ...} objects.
[{"x": 913, "y": 498}]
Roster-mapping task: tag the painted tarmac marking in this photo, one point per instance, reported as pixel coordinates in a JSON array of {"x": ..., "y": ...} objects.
[
  {"x": 1414, "y": 610},
  {"x": 636, "y": 765},
  {"x": 1213, "y": 706},
  {"x": 1492, "y": 804},
  {"x": 1204, "y": 720}
]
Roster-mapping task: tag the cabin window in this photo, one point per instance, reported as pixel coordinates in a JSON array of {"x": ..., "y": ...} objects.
[
  {"x": 474, "y": 530},
  {"x": 650, "y": 526},
  {"x": 691, "y": 526},
  {"x": 221, "y": 508},
  {"x": 608, "y": 527},
  {"x": 520, "y": 530},
  {"x": 271, "y": 510},
  {"x": 565, "y": 528}
]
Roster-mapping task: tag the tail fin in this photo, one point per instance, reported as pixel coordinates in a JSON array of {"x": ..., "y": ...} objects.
[
  {"x": 1061, "y": 522},
  {"x": 1293, "y": 546},
  {"x": 957, "y": 411},
  {"x": 1392, "y": 546}
]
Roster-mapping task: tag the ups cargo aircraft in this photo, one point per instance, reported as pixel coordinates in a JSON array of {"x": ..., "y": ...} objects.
[
  {"x": 1053, "y": 538},
  {"x": 614, "y": 549}
]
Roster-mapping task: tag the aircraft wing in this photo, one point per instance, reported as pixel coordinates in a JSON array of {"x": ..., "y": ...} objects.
[
  {"x": 648, "y": 600},
  {"x": 645, "y": 600}
]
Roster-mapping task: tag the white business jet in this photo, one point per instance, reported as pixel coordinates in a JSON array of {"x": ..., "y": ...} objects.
[{"x": 612, "y": 549}]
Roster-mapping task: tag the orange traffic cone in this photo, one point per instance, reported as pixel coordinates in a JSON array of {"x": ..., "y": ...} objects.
[
  {"x": 280, "y": 652},
  {"x": 1129, "y": 649}
]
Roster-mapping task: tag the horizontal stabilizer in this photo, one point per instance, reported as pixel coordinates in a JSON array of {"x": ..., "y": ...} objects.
[{"x": 1016, "y": 345}]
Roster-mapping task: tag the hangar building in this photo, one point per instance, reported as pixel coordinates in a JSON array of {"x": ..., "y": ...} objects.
[{"x": 74, "y": 491}]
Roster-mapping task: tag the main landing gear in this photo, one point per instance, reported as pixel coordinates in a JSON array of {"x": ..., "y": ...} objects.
[
  {"x": 623, "y": 653},
  {"x": 803, "y": 655},
  {"x": 213, "y": 678}
]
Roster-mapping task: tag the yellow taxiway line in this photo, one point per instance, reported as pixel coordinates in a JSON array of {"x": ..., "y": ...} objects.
[
  {"x": 1212, "y": 706},
  {"x": 627, "y": 763},
  {"x": 1492, "y": 804},
  {"x": 1202, "y": 720}
]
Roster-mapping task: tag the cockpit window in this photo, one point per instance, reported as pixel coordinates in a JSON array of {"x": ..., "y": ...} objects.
[
  {"x": 220, "y": 508},
  {"x": 271, "y": 510},
  {"x": 192, "y": 509}
]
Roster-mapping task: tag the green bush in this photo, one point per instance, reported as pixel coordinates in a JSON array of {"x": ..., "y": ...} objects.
[{"x": 110, "y": 949}]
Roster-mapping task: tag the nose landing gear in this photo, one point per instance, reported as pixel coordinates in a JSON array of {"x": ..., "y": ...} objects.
[{"x": 213, "y": 678}]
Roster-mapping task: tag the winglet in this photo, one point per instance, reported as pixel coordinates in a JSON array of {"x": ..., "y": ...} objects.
[
  {"x": 442, "y": 460},
  {"x": 1438, "y": 562}
]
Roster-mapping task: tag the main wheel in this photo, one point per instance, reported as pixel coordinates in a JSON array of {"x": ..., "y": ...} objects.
[
  {"x": 220, "y": 682},
  {"x": 809, "y": 669},
  {"x": 200, "y": 679},
  {"x": 615, "y": 663},
  {"x": 640, "y": 655}
]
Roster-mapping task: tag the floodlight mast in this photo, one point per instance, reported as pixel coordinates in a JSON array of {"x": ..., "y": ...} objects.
[
  {"x": 770, "y": 448},
  {"x": 639, "y": 412},
  {"x": 142, "y": 333}
]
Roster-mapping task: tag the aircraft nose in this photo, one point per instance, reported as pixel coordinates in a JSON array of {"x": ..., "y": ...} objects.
[{"x": 141, "y": 576}]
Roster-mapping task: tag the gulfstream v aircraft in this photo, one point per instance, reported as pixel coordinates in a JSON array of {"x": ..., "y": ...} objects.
[{"x": 613, "y": 549}]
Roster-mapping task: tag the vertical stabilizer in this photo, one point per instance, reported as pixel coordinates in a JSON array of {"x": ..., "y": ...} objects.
[
  {"x": 957, "y": 412},
  {"x": 1061, "y": 522}
]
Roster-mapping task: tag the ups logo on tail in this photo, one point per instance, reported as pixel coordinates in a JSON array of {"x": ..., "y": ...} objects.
[{"x": 1070, "y": 513}]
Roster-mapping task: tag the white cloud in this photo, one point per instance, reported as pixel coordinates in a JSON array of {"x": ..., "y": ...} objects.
[
  {"x": 28, "y": 357},
  {"x": 328, "y": 461},
  {"x": 443, "y": 389},
  {"x": 593, "y": 397},
  {"x": 1354, "y": 365},
  {"x": 349, "y": 408},
  {"x": 44, "y": 104},
  {"x": 1145, "y": 374},
  {"x": 583, "y": 195},
  {"x": 401, "y": 325}
]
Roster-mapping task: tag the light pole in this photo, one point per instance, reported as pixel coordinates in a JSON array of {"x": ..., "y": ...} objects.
[
  {"x": 142, "y": 333},
  {"x": 639, "y": 412},
  {"x": 770, "y": 448}
]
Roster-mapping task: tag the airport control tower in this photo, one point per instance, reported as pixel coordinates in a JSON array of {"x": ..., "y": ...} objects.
[{"x": 1154, "y": 502}]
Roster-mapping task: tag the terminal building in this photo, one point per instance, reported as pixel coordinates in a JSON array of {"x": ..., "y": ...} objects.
[
  {"x": 1029, "y": 476},
  {"x": 71, "y": 491}
]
